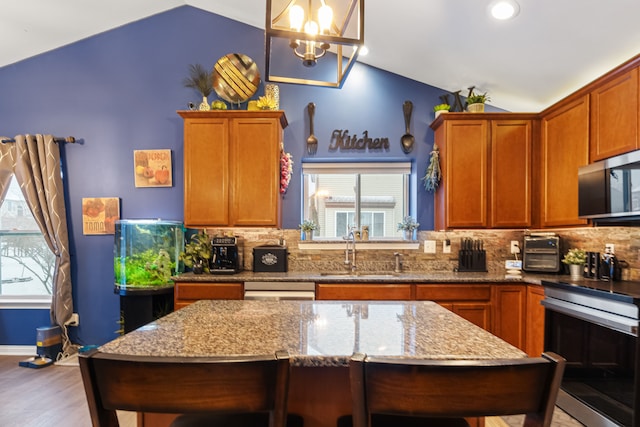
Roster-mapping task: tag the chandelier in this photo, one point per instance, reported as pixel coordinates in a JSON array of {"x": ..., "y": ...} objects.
[{"x": 301, "y": 32}]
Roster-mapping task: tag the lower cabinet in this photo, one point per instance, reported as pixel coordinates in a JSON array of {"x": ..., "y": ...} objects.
[
  {"x": 469, "y": 301},
  {"x": 509, "y": 313},
  {"x": 186, "y": 293},
  {"x": 363, "y": 291},
  {"x": 535, "y": 321}
]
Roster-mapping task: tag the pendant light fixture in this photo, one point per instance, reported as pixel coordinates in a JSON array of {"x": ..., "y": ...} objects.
[{"x": 313, "y": 42}]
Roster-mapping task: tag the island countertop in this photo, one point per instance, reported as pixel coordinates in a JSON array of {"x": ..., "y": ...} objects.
[{"x": 315, "y": 333}]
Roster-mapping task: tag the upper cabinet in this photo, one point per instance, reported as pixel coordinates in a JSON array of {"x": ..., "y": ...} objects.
[
  {"x": 511, "y": 163},
  {"x": 232, "y": 168},
  {"x": 564, "y": 148},
  {"x": 486, "y": 169},
  {"x": 615, "y": 123}
]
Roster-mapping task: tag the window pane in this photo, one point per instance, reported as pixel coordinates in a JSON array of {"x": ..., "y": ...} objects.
[
  {"x": 332, "y": 192},
  {"x": 26, "y": 263}
]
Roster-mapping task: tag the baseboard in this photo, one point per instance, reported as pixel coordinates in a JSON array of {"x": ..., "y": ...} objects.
[{"x": 18, "y": 350}]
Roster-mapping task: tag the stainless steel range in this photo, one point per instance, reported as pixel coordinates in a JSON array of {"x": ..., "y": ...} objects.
[{"x": 594, "y": 325}]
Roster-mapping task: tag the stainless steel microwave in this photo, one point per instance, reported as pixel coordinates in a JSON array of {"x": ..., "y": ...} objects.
[{"x": 609, "y": 190}]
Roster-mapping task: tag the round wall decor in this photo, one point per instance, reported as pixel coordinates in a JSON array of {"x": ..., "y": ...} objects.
[{"x": 235, "y": 78}]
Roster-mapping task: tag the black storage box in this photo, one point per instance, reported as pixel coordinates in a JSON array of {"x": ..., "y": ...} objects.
[{"x": 270, "y": 259}]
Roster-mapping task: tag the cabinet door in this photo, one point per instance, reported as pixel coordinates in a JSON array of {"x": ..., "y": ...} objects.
[
  {"x": 186, "y": 293},
  {"x": 461, "y": 200},
  {"x": 565, "y": 142},
  {"x": 614, "y": 117},
  {"x": 509, "y": 305},
  {"x": 470, "y": 301},
  {"x": 363, "y": 291},
  {"x": 510, "y": 173},
  {"x": 535, "y": 321},
  {"x": 255, "y": 172},
  {"x": 478, "y": 314},
  {"x": 206, "y": 172}
]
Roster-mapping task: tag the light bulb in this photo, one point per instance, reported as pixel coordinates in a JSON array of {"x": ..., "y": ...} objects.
[
  {"x": 325, "y": 16},
  {"x": 311, "y": 28},
  {"x": 296, "y": 17}
]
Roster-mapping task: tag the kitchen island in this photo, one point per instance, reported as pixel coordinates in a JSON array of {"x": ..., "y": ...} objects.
[{"x": 320, "y": 337}]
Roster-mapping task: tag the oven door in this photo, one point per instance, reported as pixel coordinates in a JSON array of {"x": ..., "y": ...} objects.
[{"x": 600, "y": 345}]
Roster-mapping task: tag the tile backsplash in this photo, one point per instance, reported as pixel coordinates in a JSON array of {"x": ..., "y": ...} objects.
[{"x": 496, "y": 244}]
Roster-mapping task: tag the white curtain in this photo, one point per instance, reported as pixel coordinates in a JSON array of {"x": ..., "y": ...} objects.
[{"x": 35, "y": 162}]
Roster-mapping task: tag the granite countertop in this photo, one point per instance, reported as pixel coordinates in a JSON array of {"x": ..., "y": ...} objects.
[
  {"x": 316, "y": 333},
  {"x": 367, "y": 277}
]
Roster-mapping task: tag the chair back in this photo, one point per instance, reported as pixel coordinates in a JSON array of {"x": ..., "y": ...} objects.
[
  {"x": 185, "y": 385},
  {"x": 455, "y": 388}
]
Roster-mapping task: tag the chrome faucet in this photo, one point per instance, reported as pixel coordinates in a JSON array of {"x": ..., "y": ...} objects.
[
  {"x": 350, "y": 250},
  {"x": 398, "y": 268}
]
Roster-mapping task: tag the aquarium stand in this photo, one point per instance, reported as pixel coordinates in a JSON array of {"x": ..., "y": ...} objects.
[{"x": 139, "y": 306}]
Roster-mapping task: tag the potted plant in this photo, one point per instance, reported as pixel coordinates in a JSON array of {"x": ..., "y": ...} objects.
[
  {"x": 575, "y": 259},
  {"x": 197, "y": 253},
  {"x": 200, "y": 80},
  {"x": 307, "y": 227},
  {"x": 475, "y": 102},
  {"x": 408, "y": 226},
  {"x": 441, "y": 108}
]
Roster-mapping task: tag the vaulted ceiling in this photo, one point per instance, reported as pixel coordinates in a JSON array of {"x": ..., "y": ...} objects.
[{"x": 550, "y": 49}]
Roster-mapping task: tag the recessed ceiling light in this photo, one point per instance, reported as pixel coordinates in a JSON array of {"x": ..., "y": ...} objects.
[
  {"x": 504, "y": 9},
  {"x": 363, "y": 50}
]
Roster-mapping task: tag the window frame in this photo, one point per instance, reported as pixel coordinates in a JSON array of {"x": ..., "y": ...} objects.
[
  {"x": 357, "y": 169},
  {"x": 23, "y": 301}
]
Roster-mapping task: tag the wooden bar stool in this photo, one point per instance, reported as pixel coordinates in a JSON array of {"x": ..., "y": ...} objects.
[
  {"x": 240, "y": 391},
  {"x": 390, "y": 392}
]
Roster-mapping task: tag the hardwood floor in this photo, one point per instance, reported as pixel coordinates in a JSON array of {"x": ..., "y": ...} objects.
[{"x": 46, "y": 397}]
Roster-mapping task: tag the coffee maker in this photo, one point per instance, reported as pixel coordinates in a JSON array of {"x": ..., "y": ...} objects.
[{"x": 225, "y": 255}]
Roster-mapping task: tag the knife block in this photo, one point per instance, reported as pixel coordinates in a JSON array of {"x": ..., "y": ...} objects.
[{"x": 471, "y": 257}]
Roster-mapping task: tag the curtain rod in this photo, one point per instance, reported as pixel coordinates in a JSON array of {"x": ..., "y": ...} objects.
[{"x": 69, "y": 139}]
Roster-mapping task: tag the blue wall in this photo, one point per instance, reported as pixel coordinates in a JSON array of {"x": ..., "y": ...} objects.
[{"x": 119, "y": 91}]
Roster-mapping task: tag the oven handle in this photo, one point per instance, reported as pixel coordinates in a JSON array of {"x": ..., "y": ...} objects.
[
  {"x": 607, "y": 320},
  {"x": 279, "y": 295}
]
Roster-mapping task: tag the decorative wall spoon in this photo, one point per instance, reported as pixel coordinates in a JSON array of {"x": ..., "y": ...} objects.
[{"x": 407, "y": 139}]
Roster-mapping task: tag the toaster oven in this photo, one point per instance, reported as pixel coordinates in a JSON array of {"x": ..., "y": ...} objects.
[{"x": 541, "y": 254}]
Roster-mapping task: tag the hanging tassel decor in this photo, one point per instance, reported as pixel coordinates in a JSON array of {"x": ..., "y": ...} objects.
[{"x": 433, "y": 174}]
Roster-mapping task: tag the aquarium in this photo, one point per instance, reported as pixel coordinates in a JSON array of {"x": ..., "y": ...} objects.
[{"x": 146, "y": 253}]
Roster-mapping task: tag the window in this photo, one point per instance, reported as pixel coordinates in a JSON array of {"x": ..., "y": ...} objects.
[
  {"x": 338, "y": 196},
  {"x": 26, "y": 262}
]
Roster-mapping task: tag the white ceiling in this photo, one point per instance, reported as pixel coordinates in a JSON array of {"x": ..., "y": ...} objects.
[{"x": 550, "y": 49}]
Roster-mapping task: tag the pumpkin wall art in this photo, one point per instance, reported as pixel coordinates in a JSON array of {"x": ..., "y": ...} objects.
[{"x": 152, "y": 168}]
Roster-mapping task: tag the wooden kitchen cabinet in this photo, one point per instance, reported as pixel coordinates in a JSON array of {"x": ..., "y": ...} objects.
[
  {"x": 186, "y": 293},
  {"x": 364, "y": 291},
  {"x": 509, "y": 314},
  {"x": 511, "y": 163},
  {"x": 615, "y": 114},
  {"x": 232, "y": 168},
  {"x": 470, "y": 301},
  {"x": 535, "y": 321},
  {"x": 486, "y": 162},
  {"x": 564, "y": 148},
  {"x": 461, "y": 198}
]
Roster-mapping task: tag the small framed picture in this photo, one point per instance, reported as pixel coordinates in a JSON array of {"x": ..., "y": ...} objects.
[
  {"x": 152, "y": 168},
  {"x": 99, "y": 215}
]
